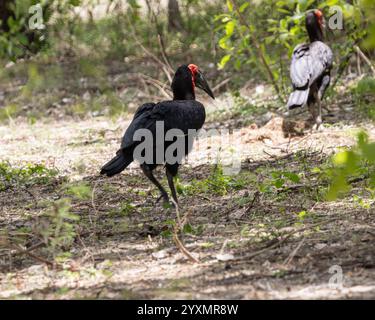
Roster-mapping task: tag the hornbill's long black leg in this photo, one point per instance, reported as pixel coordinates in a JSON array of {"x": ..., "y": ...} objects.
[
  {"x": 318, "y": 119},
  {"x": 148, "y": 174},
  {"x": 323, "y": 87},
  {"x": 174, "y": 195},
  {"x": 316, "y": 111}
]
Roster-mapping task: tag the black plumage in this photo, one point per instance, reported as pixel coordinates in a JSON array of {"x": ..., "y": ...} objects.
[
  {"x": 182, "y": 113},
  {"x": 310, "y": 68}
]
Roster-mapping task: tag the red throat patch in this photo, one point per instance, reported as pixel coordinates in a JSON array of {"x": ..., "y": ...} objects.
[
  {"x": 319, "y": 15},
  {"x": 194, "y": 69}
]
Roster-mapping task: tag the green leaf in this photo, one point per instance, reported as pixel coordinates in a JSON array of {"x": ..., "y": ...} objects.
[
  {"x": 292, "y": 177},
  {"x": 244, "y": 6},
  {"x": 341, "y": 158},
  {"x": 229, "y": 27},
  {"x": 223, "y": 43},
  {"x": 279, "y": 183},
  {"x": 230, "y": 5},
  {"x": 302, "y": 215}
]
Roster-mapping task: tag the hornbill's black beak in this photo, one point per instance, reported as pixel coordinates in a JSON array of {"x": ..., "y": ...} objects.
[{"x": 201, "y": 82}]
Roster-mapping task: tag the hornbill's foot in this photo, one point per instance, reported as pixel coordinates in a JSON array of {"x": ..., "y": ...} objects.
[
  {"x": 318, "y": 126},
  {"x": 163, "y": 196},
  {"x": 166, "y": 202}
]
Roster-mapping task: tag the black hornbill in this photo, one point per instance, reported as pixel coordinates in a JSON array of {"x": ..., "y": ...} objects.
[
  {"x": 183, "y": 113},
  {"x": 310, "y": 68}
]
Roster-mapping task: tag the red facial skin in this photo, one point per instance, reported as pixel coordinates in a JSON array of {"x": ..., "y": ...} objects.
[
  {"x": 320, "y": 17},
  {"x": 194, "y": 69}
]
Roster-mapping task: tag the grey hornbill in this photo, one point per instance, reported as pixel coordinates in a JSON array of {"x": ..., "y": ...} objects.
[
  {"x": 183, "y": 113},
  {"x": 310, "y": 68}
]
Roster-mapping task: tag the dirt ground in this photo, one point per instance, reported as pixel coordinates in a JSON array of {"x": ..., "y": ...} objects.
[{"x": 249, "y": 245}]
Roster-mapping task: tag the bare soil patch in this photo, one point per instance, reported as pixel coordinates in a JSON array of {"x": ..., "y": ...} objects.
[{"x": 249, "y": 245}]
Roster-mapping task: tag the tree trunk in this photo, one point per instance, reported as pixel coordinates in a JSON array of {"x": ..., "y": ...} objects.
[
  {"x": 175, "y": 21},
  {"x": 5, "y": 13}
]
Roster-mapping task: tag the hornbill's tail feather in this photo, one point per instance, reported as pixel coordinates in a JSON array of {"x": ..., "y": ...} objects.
[
  {"x": 117, "y": 164},
  {"x": 298, "y": 98}
]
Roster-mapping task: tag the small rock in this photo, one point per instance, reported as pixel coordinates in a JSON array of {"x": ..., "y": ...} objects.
[
  {"x": 66, "y": 100},
  {"x": 160, "y": 254},
  {"x": 9, "y": 64},
  {"x": 320, "y": 246},
  {"x": 259, "y": 89},
  {"x": 225, "y": 256},
  {"x": 86, "y": 96}
]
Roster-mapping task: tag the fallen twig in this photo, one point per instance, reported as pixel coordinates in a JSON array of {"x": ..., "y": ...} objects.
[
  {"x": 178, "y": 227},
  {"x": 28, "y": 252},
  {"x": 277, "y": 243},
  {"x": 365, "y": 59},
  {"x": 290, "y": 258},
  {"x": 182, "y": 248}
]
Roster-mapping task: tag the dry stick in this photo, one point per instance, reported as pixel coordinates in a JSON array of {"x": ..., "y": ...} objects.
[
  {"x": 93, "y": 204},
  {"x": 255, "y": 165},
  {"x": 343, "y": 64},
  {"x": 255, "y": 198},
  {"x": 168, "y": 75},
  {"x": 164, "y": 53},
  {"x": 288, "y": 260},
  {"x": 167, "y": 68},
  {"x": 149, "y": 53},
  {"x": 156, "y": 81},
  {"x": 311, "y": 186},
  {"x": 91, "y": 256},
  {"x": 365, "y": 59},
  {"x": 278, "y": 243},
  {"x": 183, "y": 250},
  {"x": 359, "y": 65},
  {"x": 145, "y": 86},
  {"x": 27, "y": 252},
  {"x": 32, "y": 248},
  {"x": 155, "y": 84},
  {"x": 179, "y": 226},
  {"x": 222, "y": 83},
  {"x": 259, "y": 49}
]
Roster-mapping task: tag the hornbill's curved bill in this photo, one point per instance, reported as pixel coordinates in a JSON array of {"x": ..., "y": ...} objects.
[
  {"x": 201, "y": 82},
  {"x": 183, "y": 113},
  {"x": 311, "y": 68}
]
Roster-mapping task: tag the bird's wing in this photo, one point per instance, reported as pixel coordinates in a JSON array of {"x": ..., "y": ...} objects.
[
  {"x": 183, "y": 115},
  {"x": 309, "y": 62},
  {"x": 139, "y": 122},
  {"x": 180, "y": 114},
  {"x": 322, "y": 59},
  {"x": 144, "y": 108},
  {"x": 300, "y": 66}
]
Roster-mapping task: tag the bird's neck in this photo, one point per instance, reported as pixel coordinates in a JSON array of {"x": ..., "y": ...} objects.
[
  {"x": 183, "y": 95},
  {"x": 315, "y": 33},
  {"x": 183, "y": 87}
]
